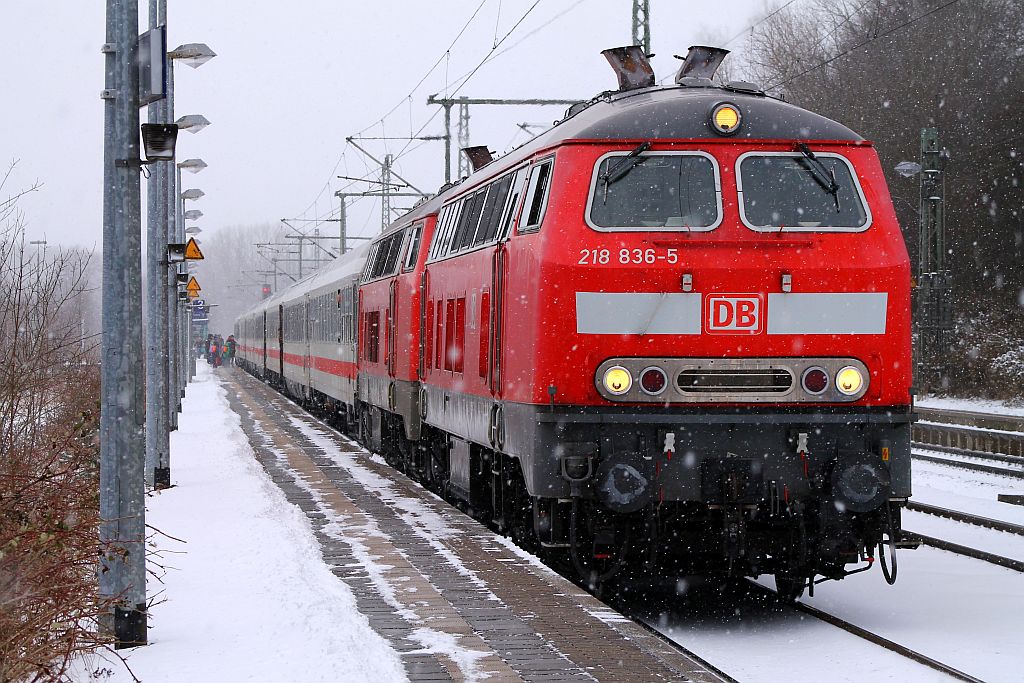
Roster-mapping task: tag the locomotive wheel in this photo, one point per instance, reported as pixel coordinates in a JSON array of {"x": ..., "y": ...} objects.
[{"x": 789, "y": 587}]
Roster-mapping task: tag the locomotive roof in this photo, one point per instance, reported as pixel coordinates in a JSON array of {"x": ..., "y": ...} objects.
[
  {"x": 681, "y": 112},
  {"x": 674, "y": 112}
]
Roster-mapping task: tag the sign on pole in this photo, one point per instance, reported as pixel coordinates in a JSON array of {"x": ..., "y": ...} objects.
[
  {"x": 152, "y": 53},
  {"x": 192, "y": 252}
]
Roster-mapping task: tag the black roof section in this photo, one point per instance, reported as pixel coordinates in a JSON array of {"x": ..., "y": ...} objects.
[{"x": 678, "y": 112}]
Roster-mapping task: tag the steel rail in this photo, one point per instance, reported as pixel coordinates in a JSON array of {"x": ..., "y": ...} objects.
[
  {"x": 968, "y": 453},
  {"x": 978, "y": 467},
  {"x": 966, "y": 517},
  {"x": 966, "y": 551},
  {"x": 876, "y": 639},
  {"x": 890, "y": 645}
]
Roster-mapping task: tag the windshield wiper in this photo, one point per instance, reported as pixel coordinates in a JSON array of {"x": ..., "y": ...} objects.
[
  {"x": 623, "y": 166},
  {"x": 824, "y": 176}
]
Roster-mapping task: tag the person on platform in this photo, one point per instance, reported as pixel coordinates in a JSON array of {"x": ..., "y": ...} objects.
[
  {"x": 213, "y": 355},
  {"x": 229, "y": 349}
]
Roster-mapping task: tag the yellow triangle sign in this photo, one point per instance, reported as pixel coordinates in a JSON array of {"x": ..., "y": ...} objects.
[
  {"x": 193, "y": 285},
  {"x": 192, "y": 252}
]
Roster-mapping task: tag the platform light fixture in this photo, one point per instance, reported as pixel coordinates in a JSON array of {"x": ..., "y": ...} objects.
[{"x": 158, "y": 141}]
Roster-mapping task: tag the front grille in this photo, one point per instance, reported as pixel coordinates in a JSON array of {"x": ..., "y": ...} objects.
[{"x": 735, "y": 381}]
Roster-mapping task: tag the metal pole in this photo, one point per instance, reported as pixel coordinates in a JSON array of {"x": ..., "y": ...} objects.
[
  {"x": 122, "y": 423},
  {"x": 158, "y": 474},
  {"x": 447, "y": 143},
  {"x": 170, "y": 205},
  {"x": 642, "y": 24},
  {"x": 464, "y": 167},
  {"x": 342, "y": 226},
  {"x": 385, "y": 193}
]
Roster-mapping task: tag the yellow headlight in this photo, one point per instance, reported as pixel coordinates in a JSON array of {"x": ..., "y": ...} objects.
[
  {"x": 726, "y": 118},
  {"x": 617, "y": 380},
  {"x": 849, "y": 380}
]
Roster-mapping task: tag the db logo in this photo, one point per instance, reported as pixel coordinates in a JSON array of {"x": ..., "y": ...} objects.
[{"x": 733, "y": 314}]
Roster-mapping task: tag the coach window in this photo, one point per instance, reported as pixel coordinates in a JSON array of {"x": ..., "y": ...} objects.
[
  {"x": 787, "y": 191},
  {"x": 656, "y": 191},
  {"x": 536, "y": 197}
]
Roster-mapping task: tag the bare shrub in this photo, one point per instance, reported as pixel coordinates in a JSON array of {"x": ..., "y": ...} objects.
[{"x": 49, "y": 459}]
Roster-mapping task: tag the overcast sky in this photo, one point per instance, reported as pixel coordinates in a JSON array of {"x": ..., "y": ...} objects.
[{"x": 293, "y": 79}]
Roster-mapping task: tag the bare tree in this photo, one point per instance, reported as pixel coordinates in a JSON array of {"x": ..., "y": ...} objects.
[
  {"x": 49, "y": 459},
  {"x": 887, "y": 69}
]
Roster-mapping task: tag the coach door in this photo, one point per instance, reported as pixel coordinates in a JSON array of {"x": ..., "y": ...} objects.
[
  {"x": 499, "y": 279},
  {"x": 497, "y": 318},
  {"x": 263, "y": 355},
  {"x": 280, "y": 341},
  {"x": 389, "y": 326},
  {"x": 307, "y": 323}
]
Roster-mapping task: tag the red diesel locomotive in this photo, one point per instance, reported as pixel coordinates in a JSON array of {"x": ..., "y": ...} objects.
[{"x": 669, "y": 336}]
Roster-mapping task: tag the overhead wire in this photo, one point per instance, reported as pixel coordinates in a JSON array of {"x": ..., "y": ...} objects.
[
  {"x": 462, "y": 80},
  {"x": 445, "y": 54}
]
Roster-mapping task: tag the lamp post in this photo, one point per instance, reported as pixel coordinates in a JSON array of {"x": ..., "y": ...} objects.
[
  {"x": 193, "y": 55},
  {"x": 192, "y": 166}
]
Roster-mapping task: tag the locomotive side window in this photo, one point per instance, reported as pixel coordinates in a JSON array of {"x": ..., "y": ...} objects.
[
  {"x": 656, "y": 191},
  {"x": 468, "y": 221},
  {"x": 796, "y": 192},
  {"x": 414, "y": 246},
  {"x": 491, "y": 214},
  {"x": 446, "y": 225},
  {"x": 485, "y": 216},
  {"x": 515, "y": 193},
  {"x": 384, "y": 257},
  {"x": 536, "y": 197}
]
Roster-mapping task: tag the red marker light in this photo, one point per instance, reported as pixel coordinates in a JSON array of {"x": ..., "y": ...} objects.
[
  {"x": 653, "y": 381},
  {"x": 815, "y": 381}
]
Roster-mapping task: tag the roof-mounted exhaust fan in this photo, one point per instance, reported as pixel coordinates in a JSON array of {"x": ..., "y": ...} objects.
[
  {"x": 700, "y": 62},
  {"x": 478, "y": 156},
  {"x": 631, "y": 66}
]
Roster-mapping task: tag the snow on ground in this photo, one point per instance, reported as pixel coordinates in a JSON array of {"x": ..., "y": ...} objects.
[
  {"x": 247, "y": 597},
  {"x": 959, "y": 611},
  {"x": 972, "y": 405},
  {"x": 966, "y": 490}
]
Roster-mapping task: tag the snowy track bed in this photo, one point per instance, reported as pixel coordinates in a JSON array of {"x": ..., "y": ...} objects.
[
  {"x": 958, "y": 611},
  {"x": 967, "y": 491}
]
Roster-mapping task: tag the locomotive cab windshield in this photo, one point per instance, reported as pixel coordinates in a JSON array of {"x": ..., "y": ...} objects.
[{"x": 791, "y": 191}]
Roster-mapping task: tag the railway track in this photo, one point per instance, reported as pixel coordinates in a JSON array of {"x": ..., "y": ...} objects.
[
  {"x": 967, "y": 464},
  {"x": 750, "y": 596},
  {"x": 967, "y": 518},
  {"x": 884, "y": 642}
]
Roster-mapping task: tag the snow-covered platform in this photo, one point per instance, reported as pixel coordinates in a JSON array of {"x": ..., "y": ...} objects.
[{"x": 453, "y": 599}]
